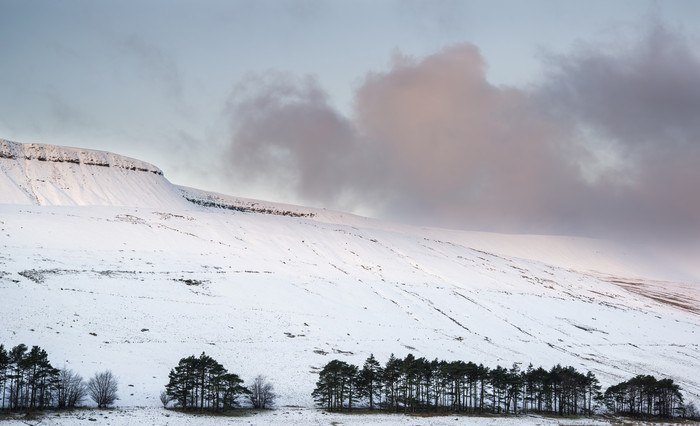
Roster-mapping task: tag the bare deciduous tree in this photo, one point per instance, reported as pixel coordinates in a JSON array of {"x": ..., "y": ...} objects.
[
  {"x": 103, "y": 389},
  {"x": 262, "y": 393},
  {"x": 165, "y": 398},
  {"x": 71, "y": 389},
  {"x": 691, "y": 412}
]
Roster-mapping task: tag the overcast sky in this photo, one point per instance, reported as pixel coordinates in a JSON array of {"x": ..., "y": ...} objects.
[{"x": 568, "y": 117}]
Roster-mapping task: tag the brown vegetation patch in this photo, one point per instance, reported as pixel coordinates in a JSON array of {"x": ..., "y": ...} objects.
[{"x": 656, "y": 291}]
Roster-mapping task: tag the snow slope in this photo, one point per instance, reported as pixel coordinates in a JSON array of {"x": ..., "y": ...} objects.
[{"x": 266, "y": 288}]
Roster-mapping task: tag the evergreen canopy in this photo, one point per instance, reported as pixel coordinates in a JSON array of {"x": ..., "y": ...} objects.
[{"x": 202, "y": 383}]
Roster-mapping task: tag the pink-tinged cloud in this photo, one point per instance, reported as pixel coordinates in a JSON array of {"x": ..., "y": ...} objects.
[
  {"x": 462, "y": 149},
  {"x": 605, "y": 143}
]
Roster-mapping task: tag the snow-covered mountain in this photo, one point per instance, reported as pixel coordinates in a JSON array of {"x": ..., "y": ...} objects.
[
  {"x": 106, "y": 264},
  {"x": 49, "y": 175}
]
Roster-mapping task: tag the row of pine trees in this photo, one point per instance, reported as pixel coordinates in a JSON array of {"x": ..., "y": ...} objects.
[
  {"x": 28, "y": 381},
  {"x": 413, "y": 384}
]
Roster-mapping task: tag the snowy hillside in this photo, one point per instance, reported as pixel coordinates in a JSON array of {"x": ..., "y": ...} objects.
[{"x": 114, "y": 267}]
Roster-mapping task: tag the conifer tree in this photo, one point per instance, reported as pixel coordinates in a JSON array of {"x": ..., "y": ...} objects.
[
  {"x": 391, "y": 381},
  {"x": 16, "y": 375},
  {"x": 370, "y": 379},
  {"x": 4, "y": 366},
  {"x": 593, "y": 390},
  {"x": 27, "y": 377},
  {"x": 336, "y": 385}
]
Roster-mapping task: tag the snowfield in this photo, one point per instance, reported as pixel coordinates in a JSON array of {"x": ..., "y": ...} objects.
[
  {"x": 111, "y": 267},
  {"x": 139, "y": 416}
]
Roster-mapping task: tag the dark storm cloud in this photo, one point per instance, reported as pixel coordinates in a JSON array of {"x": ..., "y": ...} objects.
[{"x": 608, "y": 141}]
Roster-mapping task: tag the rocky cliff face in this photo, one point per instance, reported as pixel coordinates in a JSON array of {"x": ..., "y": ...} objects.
[{"x": 61, "y": 154}]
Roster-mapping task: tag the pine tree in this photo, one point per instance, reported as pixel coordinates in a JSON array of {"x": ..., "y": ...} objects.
[
  {"x": 16, "y": 375},
  {"x": 335, "y": 385},
  {"x": 391, "y": 381},
  {"x": 4, "y": 366},
  {"x": 232, "y": 388},
  {"x": 370, "y": 379},
  {"x": 593, "y": 389},
  {"x": 181, "y": 382},
  {"x": 514, "y": 384}
]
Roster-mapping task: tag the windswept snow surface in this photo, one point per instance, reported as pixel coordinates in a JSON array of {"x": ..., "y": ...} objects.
[{"x": 282, "y": 290}]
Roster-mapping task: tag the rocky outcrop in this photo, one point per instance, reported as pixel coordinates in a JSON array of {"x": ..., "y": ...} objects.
[{"x": 62, "y": 154}]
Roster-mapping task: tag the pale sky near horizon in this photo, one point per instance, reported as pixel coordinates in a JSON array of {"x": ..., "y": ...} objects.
[{"x": 222, "y": 95}]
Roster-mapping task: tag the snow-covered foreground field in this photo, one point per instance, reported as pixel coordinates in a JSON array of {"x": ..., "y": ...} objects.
[
  {"x": 287, "y": 416},
  {"x": 281, "y": 291}
]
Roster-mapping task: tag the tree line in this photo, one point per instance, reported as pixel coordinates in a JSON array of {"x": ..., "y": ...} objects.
[
  {"x": 28, "y": 382},
  {"x": 202, "y": 383},
  {"x": 413, "y": 384},
  {"x": 645, "y": 395}
]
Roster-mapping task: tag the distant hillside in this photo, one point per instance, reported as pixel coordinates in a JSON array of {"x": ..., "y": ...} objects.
[{"x": 110, "y": 266}]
